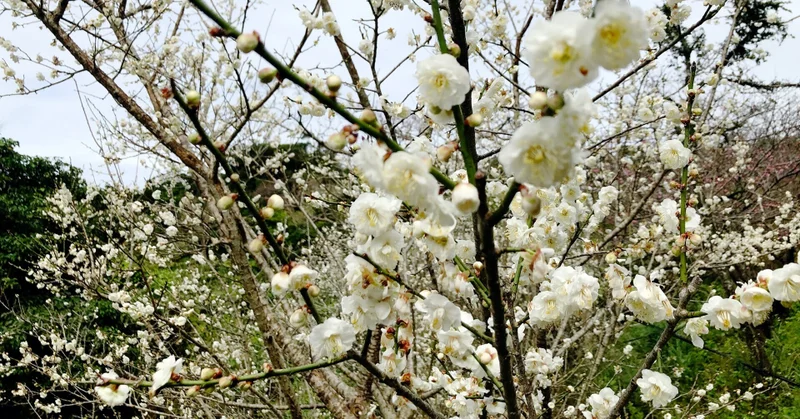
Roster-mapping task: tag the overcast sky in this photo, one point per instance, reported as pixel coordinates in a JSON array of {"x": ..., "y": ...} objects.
[{"x": 52, "y": 122}]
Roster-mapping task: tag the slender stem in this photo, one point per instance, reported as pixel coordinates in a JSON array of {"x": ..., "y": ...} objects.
[
  {"x": 688, "y": 132},
  {"x": 466, "y": 148},
  {"x": 498, "y": 214},
  {"x": 249, "y": 377}
]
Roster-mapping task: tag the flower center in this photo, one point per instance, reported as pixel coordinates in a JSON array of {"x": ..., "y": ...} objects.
[
  {"x": 724, "y": 317},
  {"x": 440, "y": 81},
  {"x": 535, "y": 154},
  {"x": 372, "y": 216},
  {"x": 611, "y": 33},
  {"x": 564, "y": 54}
]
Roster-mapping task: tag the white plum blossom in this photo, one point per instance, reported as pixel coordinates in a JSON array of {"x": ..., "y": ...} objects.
[
  {"x": 620, "y": 34},
  {"x": 674, "y": 155},
  {"x": 440, "y": 313},
  {"x": 407, "y": 177},
  {"x": 694, "y": 328},
  {"x": 560, "y": 51},
  {"x": 331, "y": 338},
  {"x": 443, "y": 82},
  {"x": 601, "y": 403},
  {"x": 372, "y": 214},
  {"x": 656, "y": 388},
  {"x": 723, "y": 313},
  {"x": 784, "y": 284},
  {"x": 164, "y": 371},
  {"x": 539, "y": 153},
  {"x": 112, "y": 394}
]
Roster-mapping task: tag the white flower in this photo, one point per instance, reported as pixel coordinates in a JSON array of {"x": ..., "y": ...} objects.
[
  {"x": 539, "y": 153},
  {"x": 656, "y": 388},
  {"x": 372, "y": 214},
  {"x": 443, "y": 82},
  {"x": 280, "y": 283},
  {"x": 369, "y": 162},
  {"x": 694, "y": 328},
  {"x": 331, "y": 338},
  {"x": 440, "y": 312},
  {"x": 648, "y": 302},
  {"x": 723, "y": 313},
  {"x": 559, "y": 52},
  {"x": 406, "y": 176},
  {"x": 465, "y": 198},
  {"x": 618, "y": 279},
  {"x": 164, "y": 371},
  {"x": 756, "y": 299},
  {"x": 671, "y": 111},
  {"x": 784, "y": 285},
  {"x": 544, "y": 308},
  {"x": 302, "y": 275},
  {"x": 674, "y": 155},
  {"x": 112, "y": 394},
  {"x": 385, "y": 249},
  {"x": 620, "y": 32},
  {"x": 657, "y": 23},
  {"x": 602, "y": 403}
]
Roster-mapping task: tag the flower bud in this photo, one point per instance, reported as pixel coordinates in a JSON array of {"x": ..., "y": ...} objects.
[
  {"x": 611, "y": 258},
  {"x": 192, "y": 391},
  {"x": 207, "y": 373},
  {"x": 538, "y": 100},
  {"x": 194, "y": 138},
  {"x": 299, "y": 318},
  {"x": 220, "y": 145},
  {"x": 465, "y": 198},
  {"x": 445, "y": 151},
  {"x": 477, "y": 266},
  {"x": 334, "y": 83},
  {"x": 313, "y": 291},
  {"x": 247, "y": 42},
  {"x": 555, "y": 102},
  {"x": 485, "y": 358},
  {"x": 193, "y": 99},
  {"x": 226, "y": 202},
  {"x": 235, "y": 177},
  {"x": 267, "y": 213},
  {"x": 368, "y": 116},
  {"x": 256, "y": 245},
  {"x": 474, "y": 120},
  {"x": 695, "y": 239},
  {"x": 336, "y": 141},
  {"x": 226, "y": 381},
  {"x": 531, "y": 204},
  {"x": 245, "y": 385},
  {"x": 454, "y": 50},
  {"x": 267, "y": 74},
  {"x": 275, "y": 202}
]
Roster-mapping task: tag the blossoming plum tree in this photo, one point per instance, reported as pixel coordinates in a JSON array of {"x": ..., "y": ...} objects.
[{"x": 454, "y": 251}]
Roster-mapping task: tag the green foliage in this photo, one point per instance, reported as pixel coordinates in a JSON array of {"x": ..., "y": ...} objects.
[{"x": 25, "y": 184}]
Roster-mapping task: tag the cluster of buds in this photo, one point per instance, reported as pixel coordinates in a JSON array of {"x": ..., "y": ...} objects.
[
  {"x": 337, "y": 141},
  {"x": 274, "y": 203},
  {"x": 548, "y": 105}
]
